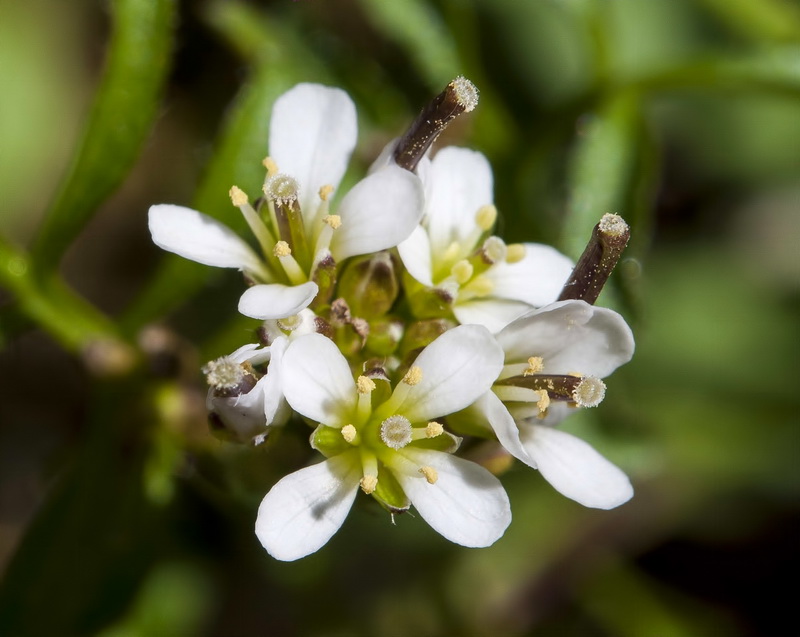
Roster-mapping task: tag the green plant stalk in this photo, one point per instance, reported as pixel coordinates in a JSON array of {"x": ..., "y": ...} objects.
[
  {"x": 125, "y": 105},
  {"x": 51, "y": 304}
]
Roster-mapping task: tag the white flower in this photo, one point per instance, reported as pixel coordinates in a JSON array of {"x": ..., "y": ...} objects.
[
  {"x": 554, "y": 358},
  {"x": 393, "y": 450},
  {"x": 246, "y": 410},
  {"x": 312, "y": 135},
  {"x": 491, "y": 283},
  {"x": 240, "y": 403}
]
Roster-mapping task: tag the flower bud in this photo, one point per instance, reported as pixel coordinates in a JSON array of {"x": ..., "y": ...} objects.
[
  {"x": 422, "y": 333},
  {"x": 384, "y": 336},
  {"x": 370, "y": 285}
]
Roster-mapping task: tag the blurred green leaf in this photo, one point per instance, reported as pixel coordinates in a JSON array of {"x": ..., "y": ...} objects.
[
  {"x": 173, "y": 602},
  {"x": 124, "y": 108},
  {"x": 629, "y": 604},
  {"x": 601, "y": 169},
  {"x": 416, "y": 26},
  {"x": 761, "y": 20},
  {"x": 775, "y": 69},
  {"x": 50, "y": 303}
]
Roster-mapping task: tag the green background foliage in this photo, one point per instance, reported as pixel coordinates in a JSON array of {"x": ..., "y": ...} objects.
[{"x": 121, "y": 516}]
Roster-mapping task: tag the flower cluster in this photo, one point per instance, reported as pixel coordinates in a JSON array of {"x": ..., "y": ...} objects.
[{"x": 395, "y": 323}]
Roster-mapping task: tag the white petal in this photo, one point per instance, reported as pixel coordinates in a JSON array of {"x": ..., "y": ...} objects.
[
  {"x": 416, "y": 255},
  {"x": 198, "y": 237},
  {"x": 378, "y": 213},
  {"x": 466, "y": 504},
  {"x": 528, "y": 413},
  {"x": 492, "y": 410},
  {"x": 304, "y": 509},
  {"x": 493, "y": 314},
  {"x": 276, "y": 301},
  {"x": 460, "y": 182},
  {"x": 457, "y": 368},
  {"x": 243, "y": 416},
  {"x": 571, "y": 336},
  {"x": 275, "y": 407},
  {"x": 249, "y": 352},
  {"x": 575, "y": 469},
  {"x": 317, "y": 380},
  {"x": 308, "y": 324},
  {"x": 536, "y": 279},
  {"x": 312, "y": 134}
]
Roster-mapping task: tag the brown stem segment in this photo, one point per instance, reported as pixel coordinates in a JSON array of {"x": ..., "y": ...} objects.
[
  {"x": 459, "y": 96},
  {"x": 602, "y": 253}
]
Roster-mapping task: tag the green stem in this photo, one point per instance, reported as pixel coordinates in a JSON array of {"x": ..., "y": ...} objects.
[{"x": 51, "y": 304}]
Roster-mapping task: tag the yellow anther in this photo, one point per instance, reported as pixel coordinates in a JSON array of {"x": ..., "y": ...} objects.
[
  {"x": 365, "y": 385},
  {"x": 238, "y": 197},
  {"x": 543, "y": 403},
  {"x": 515, "y": 252},
  {"x": 282, "y": 249},
  {"x": 413, "y": 376},
  {"x": 494, "y": 250},
  {"x": 575, "y": 374},
  {"x": 349, "y": 433},
  {"x": 535, "y": 365},
  {"x": 334, "y": 221},
  {"x": 325, "y": 192},
  {"x": 430, "y": 474},
  {"x": 486, "y": 216},
  {"x": 462, "y": 271},
  {"x": 270, "y": 165},
  {"x": 434, "y": 429},
  {"x": 368, "y": 484}
]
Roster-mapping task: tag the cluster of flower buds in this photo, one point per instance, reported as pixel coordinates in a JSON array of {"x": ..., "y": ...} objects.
[{"x": 395, "y": 322}]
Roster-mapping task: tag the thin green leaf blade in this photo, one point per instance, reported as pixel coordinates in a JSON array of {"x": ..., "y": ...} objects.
[{"x": 125, "y": 105}]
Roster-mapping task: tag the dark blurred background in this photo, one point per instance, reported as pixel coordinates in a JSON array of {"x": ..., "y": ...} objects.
[{"x": 121, "y": 516}]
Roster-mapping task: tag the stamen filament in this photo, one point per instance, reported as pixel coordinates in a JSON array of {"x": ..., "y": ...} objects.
[
  {"x": 369, "y": 464},
  {"x": 329, "y": 224},
  {"x": 511, "y": 394},
  {"x": 512, "y": 369},
  {"x": 478, "y": 287},
  {"x": 257, "y": 226},
  {"x": 400, "y": 393},
  {"x": 290, "y": 266},
  {"x": 365, "y": 388}
]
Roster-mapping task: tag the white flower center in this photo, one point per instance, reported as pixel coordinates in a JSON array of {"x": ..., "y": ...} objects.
[
  {"x": 223, "y": 373},
  {"x": 290, "y": 323},
  {"x": 589, "y": 392},
  {"x": 396, "y": 432},
  {"x": 281, "y": 188},
  {"x": 466, "y": 93}
]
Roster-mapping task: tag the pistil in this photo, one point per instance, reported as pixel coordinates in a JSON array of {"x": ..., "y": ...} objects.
[
  {"x": 585, "y": 391},
  {"x": 598, "y": 260},
  {"x": 459, "y": 96}
]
